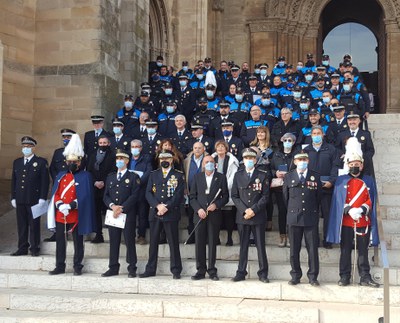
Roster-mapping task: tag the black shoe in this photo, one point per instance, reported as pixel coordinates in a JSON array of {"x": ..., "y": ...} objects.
[
  {"x": 294, "y": 282},
  {"x": 214, "y": 277},
  {"x": 146, "y": 274},
  {"x": 176, "y": 276},
  {"x": 162, "y": 241},
  {"x": 327, "y": 245},
  {"x": 314, "y": 283},
  {"x": 57, "y": 271},
  {"x": 238, "y": 278},
  {"x": 19, "y": 253},
  {"x": 109, "y": 273},
  {"x": 98, "y": 239},
  {"x": 229, "y": 243},
  {"x": 263, "y": 279},
  {"x": 51, "y": 239},
  {"x": 35, "y": 253},
  {"x": 198, "y": 276},
  {"x": 77, "y": 272},
  {"x": 131, "y": 275},
  {"x": 252, "y": 243},
  {"x": 344, "y": 282},
  {"x": 369, "y": 283}
]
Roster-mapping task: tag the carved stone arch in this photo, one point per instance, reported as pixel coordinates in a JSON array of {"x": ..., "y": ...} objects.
[{"x": 159, "y": 30}]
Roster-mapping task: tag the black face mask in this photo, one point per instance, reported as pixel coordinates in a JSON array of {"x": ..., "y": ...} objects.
[
  {"x": 203, "y": 107},
  {"x": 103, "y": 148},
  {"x": 165, "y": 164},
  {"x": 355, "y": 170},
  {"x": 73, "y": 168}
]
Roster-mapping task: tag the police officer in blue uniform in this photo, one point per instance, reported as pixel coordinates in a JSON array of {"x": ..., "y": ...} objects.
[
  {"x": 29, "y": 186},
  {"x": 197, "y": 82},
  {"x": 264, "y": 79},
  {"x": 152, "y": 107},
  {"x": 165, "y": 194},
  {"x": 198, "y": 136},
  {"x": 280, "y": 67},
  {"x": 337, "y": 125},
  {"x": 166, "y": 120},
  {"x": 240, "y": 108},
  {"x": 129, "y": 115},
  {"x": 181, "y": 136},
  {"x": 185, "y": 70},
  {"x": 351, "y": 98},
  {"x": 326, "y": 62},
  {"x": 203, "y": 116},
  {"x": 235, "y": 143}
]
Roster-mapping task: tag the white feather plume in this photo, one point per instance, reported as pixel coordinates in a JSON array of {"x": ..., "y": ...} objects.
[
  {"x": 353, "y": 148},
  {"x": 74, "y": 147},
  {"x": 210, "y": 79}
]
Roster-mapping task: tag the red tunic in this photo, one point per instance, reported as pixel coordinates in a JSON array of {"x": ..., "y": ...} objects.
[
  {"x": 353, "y": 187},
  {"x": 67, "y": 198}
]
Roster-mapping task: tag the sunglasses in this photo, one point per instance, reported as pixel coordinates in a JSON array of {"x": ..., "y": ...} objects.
[{"x": 287, "y": 140}]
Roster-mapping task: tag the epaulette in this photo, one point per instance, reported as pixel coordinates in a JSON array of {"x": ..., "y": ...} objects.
[
  {"x": 262, "y": 171},
  {"x": 179, "y": 171}
]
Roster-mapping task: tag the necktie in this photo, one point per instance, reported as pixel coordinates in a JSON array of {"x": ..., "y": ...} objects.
[
  {"x": 180, "y": 134},
  {"x": 249, "y": 175},
  {"x": 352, "y": 133},
  {"x": 227, "y": 139},
  {"x": 164, "y": 174},
  {"x": 338, "y": 122},
  {"x": 151, "y": 139},
  {"x": 302, "y": 178},
  {"x": 26, "y": 161},
  {"x": 96, "y": 134},
  {"x": 117, "y": 139},
  {"x": 119, "y": 176},
  {"x": 141, "y": 129}
]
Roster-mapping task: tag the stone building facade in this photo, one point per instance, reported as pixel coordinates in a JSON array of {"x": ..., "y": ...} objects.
[{"x": 64, "y": 60}]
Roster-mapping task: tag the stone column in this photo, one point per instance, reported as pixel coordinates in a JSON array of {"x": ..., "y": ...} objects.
[
  {"x": 1, "y": 88},
  {"x": 392, "y": 67}
]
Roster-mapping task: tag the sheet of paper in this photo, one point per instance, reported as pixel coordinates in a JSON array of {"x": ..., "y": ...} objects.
[
  {"x": 342, "y": 171},
  {"x": 115, "y": 222},
  {"x": 39, "y": 209}
]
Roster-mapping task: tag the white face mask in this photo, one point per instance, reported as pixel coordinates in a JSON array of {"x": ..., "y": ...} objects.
[{"x": 128, "y": 104}]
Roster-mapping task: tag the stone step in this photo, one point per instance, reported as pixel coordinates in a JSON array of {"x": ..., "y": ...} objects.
[{"x": 226, "y": 268}]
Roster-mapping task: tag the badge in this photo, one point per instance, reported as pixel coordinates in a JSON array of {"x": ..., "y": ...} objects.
[
  {"x": 312, "y": 178},
  {"x": 332, "y": 119},
  {"x": 257, "y": 180},
  {"x": 216, "y": 106},
  {"x": 233, "y": 145},
  {"x": 158, "y": 142},
  {"x": 206, "y": 143},
  {"x": 293, "y": 181},
  {"x": 345, "y": 126},
  {"x": 127, "y": 181},
  {"x": 125, "y": 143},
  {"x": 362, "y": 138},
  {"x": 34, "y": 164}
]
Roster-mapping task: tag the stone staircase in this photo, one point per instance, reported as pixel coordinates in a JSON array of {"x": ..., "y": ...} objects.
[{"x": 29, "y": 294}]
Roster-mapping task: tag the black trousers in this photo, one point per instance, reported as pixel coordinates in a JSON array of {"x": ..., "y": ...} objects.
[
  {"x": 310, "y": 234},
  {"x": 61, "y": 247},
  {"x": 258, "y": 231},
  {"x": 346, "y": 246},
  {"x": 282, "y": 212},
  {"x": 115, "y": 242},
  {"x": 172, "y": 233},
  {"x": 190, "y": 214},
  {"x": 325, "y": 202},
  {"x": 228, "y": 220},
  {"x": 208, "y": 230},
  {"x": 28, "y": 228},
  {"x": 100, "y": 209},
  {"x": 270, "y": 207},
  {"x": 142, "y": 212}
]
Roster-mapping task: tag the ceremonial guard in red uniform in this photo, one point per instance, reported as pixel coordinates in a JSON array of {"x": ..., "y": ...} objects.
[
  {"x": 72, "y": 207},
  {"x": 353, "y": 219}
]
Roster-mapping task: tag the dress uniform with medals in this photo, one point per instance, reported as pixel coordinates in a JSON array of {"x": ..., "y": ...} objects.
[
  {"x": 90, "y": 141},
  {"x": 71, "y": 209},
  {"x": 120, "y": 196},
  {"x": 29, "y": 186},
  {"x": 250, "y": 192},
  {"x": 301, "y": 192},
  {"x": 165, "y": 194}
]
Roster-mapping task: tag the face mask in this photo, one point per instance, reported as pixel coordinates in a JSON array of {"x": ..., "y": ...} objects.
[
  {"x": 165, "y": 164},
  {"x": 209, "y": 94},
  {"x": 238, "y": 97},
  {"x": 65, "y": 142},
  {"x": 326, "y": 100},
  {"x": 168, "y": 91},
  {"x": 299, "y": 67},
  {"x": 210, "y": 166},
  {"x": 226, "y": 133},
  {"x": 135, "y": 152},
  {"x": 117, "y": 130},
  {"x": 296, "y": 94},
  {"x": 257, "y": 71},
  {"x": 203, "y": 107},
  {"x": 265, "y": 101},
  {"x": 302, "y": 165},
  {"x": 281, "y": 64},
  {"x": 355, "y": 170},
  {"x": 159, "y": 64},
  {"x": 103, "y": 148},
  {"x": 73, "y": 167},
  {"x": 308, "y": 77},
  {"x": 325, "y": 63},
  {"x": 155, "y": 78},
  {"x": 200, "y": 76},
  {"x": 263, "y": 72},
  {"x": 287, "y": 144},
  {"x": 27, "y": 151},
  {"x": 346, "y": 87},
  {"x": 185, "y": 68},
  {"x": 182, "y": 83},
  {"x": 120, "y": 163},
  {"x": 248, "y": 163},
  {"x": 151, "y": 131},
  {"x": 303, "y": 106},
  {"x": 128, "y": 104},
  {"x": 170, "y": 109},
  {"x": 316, "y": 139}
]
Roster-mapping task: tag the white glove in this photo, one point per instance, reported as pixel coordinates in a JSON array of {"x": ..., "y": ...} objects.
[
  {"x": 14, "y": 203},
  {"x": 41, "y": 201},
  {"x": 64, "y": 209},
  {"x": 355, "y": 213}
]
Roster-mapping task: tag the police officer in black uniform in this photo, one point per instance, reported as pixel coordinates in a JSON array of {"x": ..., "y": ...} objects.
[
  {"x": 203, "y": 116},
  {"x": 90, "y": 141},
  {"x": 198, "y": 136},
  {"x": 120, "y": 140},
  {"x": 215, "y": 130},
  {"x": 120, "y": 196},
  {"x": 152, "y": 138},
  {"x": 29, "y": 186},
  {"x": 185, "y": 97},
  {"x": 165, "y": 194},
  {"x": 337, "y": 125},
  {"x": 301, "y": 193},
  {"x": 181, "y": 136}
]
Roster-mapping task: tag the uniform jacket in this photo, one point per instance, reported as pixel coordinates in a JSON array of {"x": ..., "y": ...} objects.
[
  {"x": 58, "y": 163},
  {"x": 90, "y": 144},
  {"x": 123, "y": 143}
]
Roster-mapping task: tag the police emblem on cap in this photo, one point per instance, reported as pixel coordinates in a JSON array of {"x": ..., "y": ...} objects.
[
  {"x": 125, "y": 143},
  {"x": 127, "y": 181},
  {"x": 34, "y": 164},
  {"x": 312, "y": 178},
  {"x": 362, "y": 138},
  {"x": 292, "y": 180}
]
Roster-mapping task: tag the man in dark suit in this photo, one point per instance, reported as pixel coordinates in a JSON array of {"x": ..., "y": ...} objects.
[
  {"x": 165, "y": 192},
  {"x": 90, "y": 141},
  {"x": 250, "y": 191},
  {"x": 120, "y": 140},
  {"x": 121, "y": 193},
  {"x": 29, "y": 186},
  {"x": 208, "y": 194},
  {"x": 100, "y": 164},
  {"x": 182, "y": 135},
  {"x": 301, "y": 192}
]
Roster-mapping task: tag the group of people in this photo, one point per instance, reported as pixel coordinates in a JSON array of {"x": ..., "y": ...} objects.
[{"x": 222, "y": 148}]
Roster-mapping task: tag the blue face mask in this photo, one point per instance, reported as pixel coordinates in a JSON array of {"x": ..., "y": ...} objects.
[
  {"x": 170, "y": 109},
  {"x": 265, "y": 101},
  {"x": 200, "y": 76},
  {"x": 27, "y": 151},
  {"x": 257, "y": 71},
  {"x": 159, "y": 64},
  {"x": 151, "y": 131},
  {"x": 346, "y": 87},
  {"x": 238, "y": 97},
  {"x": 65, "y": 141},
  {"x": 296, "y": 94},
  {"x": 299, "y": 67},
  {"x": 168, "y": 91},
  {"x": 326, "y": 100},
  {"x": 325, "y": 63},
  {"x": 210, "y": 166},
  {"x": 128, "y": 104},
  {"x": 120, "y": 163},
  {"x": 316, "y": 139},
  {"x": 209, "y": 94},
  {"x": 263, "y": 72},
  {"x": 302, "y": 165},
  {"x": 117, "y": 130},
  {"x": 287, "y": 144},
  {"x": 226, "y": 133},
  {"x": 185, "y": 68},
  {"x": 308, "y": 77},
  {"x": 155, "y": 78},
  {"x": 303, "y": 106},
  {"x": 135, "y": 152},
  {"x": 182, "y": 83},
  {"x": 281, "y": 63},
  {"x": 248, "y": 163}
]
